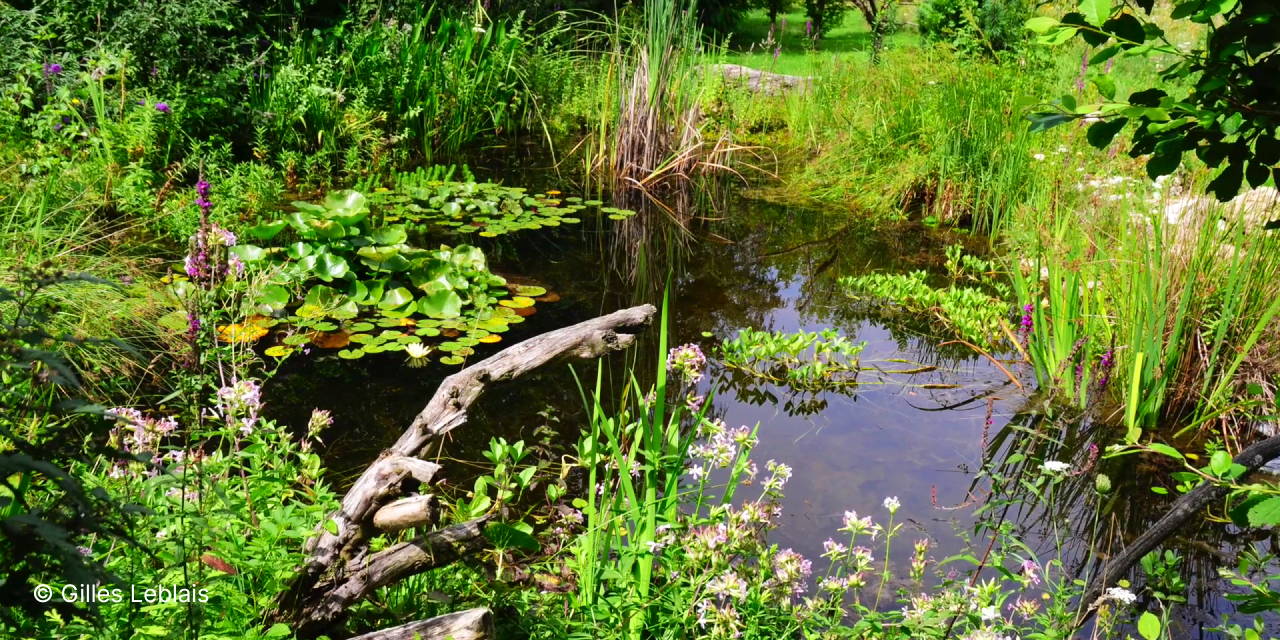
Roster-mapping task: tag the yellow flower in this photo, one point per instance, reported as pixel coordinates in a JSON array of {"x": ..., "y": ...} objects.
[{"x": 75, "y": 102}]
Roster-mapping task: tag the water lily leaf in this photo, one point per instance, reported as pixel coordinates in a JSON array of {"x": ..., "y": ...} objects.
[
  {"x": 358, "y": 327},
  {"x": 324, "y": 326},
  {"x": 517, "y": 302},
  {"x": 531, "y": 291},
  {"x": 323, "y": 296},
  {"x": 278, "y": 351},
  {"x": 267, "y": 230},
  {"x": 593, "y": 203},
  {"x": 298, "y": 250},
  {"x": 309, "y": 311},
  {"x": 361, "y": 338},
  {"x": 248, "y": 252},
  {"x": 384, "y": 258},
  {"x": 452, "y": 360},
  {"x": 429, "y": 332},
  {"x": 400, "y": 312},
  {"x": 297, "y": 339},
  {"x": 490, "y": 339},
  {"x": 330, "y": 267},
  {"x": 367, "y": 292},
  {"x": 274, "y": 296},
  {"x": 351, "y": 354},
  {"x": 443, "y": 303},
  {"x": 389, "y": 235},
  {"x": 397, "y": 297}
]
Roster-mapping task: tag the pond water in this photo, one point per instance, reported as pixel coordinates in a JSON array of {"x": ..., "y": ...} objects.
[{"x": 751, "y": 263}]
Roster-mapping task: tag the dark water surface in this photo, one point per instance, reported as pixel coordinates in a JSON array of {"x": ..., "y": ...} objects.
[{"x": 746, "y": 263}]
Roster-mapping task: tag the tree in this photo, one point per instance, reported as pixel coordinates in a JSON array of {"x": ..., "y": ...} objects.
[
  {"x": 879, "y": 15},
  {"x": 773, "y": 8},
  {"x": 1220, "y": 99},
  {"x": 824, "y": 14}
]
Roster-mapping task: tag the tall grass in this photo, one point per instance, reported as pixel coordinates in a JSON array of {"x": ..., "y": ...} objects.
[
  {"x": 647, "y": 129},
  {"x": 1158, "y": 302},
  {"x": 424, "y": 83}
]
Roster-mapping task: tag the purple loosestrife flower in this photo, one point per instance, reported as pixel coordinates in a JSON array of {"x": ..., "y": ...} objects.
[
  {"x": 808, "y": 28},
  {"x": 163, "y": 107},
  {"x": 1105, "y": 363},
  {"x": 52, "y": 69}
]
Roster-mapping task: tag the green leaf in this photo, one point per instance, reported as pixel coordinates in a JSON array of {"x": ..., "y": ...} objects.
[
  {"x": 1095, "y": 12},
  {"x": 443, "y": 303},
  {"x": 1149, "y": 626},
  {"x": 389, "y": 235},
  {"x": 1163, "y": 164},
  {"x": 267, "y": 230},
  {"x": 396, "y": 297},
  {"x": 330, "y": 267},
  {"x": 331, "y": 526},
  {"x": 1101, "y": 133},
  {"x": 1227, "y": 184},
  {"x": 1042, "y": 24},
  {"x": 1048, "y": 120},
  {"x": 505, "y": 536},
  {"x": 1220, "y": 462},
  {"x": 1265, "y": 513},
  {"x": 278, "y": 630},
  {"x": 1105, "y": 86},
  {"x": 1165, "y": 449},
  {"x": 248, "y": 252}
]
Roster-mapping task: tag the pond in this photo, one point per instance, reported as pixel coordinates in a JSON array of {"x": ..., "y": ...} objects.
[{"x": 752, "y": 263}]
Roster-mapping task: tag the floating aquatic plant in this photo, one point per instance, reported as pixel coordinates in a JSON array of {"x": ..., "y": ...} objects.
[{"x": 348, "y": 283}]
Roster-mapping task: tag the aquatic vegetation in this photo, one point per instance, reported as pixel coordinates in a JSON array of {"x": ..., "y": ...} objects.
[
  {"x": 354, "y": 278},
  {"x": 425, "y": 204},
  {"x": 978, "y": 314},
  {"x": 802, "y": 359}
]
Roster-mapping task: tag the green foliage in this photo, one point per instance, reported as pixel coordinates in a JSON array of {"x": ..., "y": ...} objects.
[
  {"x": 358, "y": 275},
  {"x": 974, "y": 313},
  {"x": 48, "y": 509},
  {"x": 1215, "y": 100},
  {"x": 802, "y": 360},
  {"x": 975, "y": 26},
  {"x": 427, "y": 205}
]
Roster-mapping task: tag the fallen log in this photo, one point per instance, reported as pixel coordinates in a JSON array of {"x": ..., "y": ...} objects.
[
  {"x": 1183, "y": 509},
  {"x": 399, "y": 561},
  {"x": 406, "y": 513},
  {"x": 472, "y": 624},
  {"x": 336, "y": 573}
]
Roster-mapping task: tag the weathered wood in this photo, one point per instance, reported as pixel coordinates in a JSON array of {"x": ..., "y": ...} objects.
[
  {"x": 406, "y": 513},
  {"x": 332, "y": 597},
  {"x": 1183, "y": 509},
  {"x": 472, "y": 624},
  {"x": 336, "y": 572},
  {"x": 761, "y": 81}
]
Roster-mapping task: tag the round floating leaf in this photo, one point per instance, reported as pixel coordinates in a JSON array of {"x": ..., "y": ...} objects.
[
  {"x": 531, "y": 291},
  {"x": 324, "y": 326},
  {"x": 593, "y": 203},
  {"x": 517, "y": 302},
  {"x": 490, "y": 339},
  {"x": 278, "y": 351},
  {"x": 452, "y": 360},
  {"x": 429, "y": 332},
  {"x": 360, "y": 326},
  {"x": 351, "y": 354},
  {"x": 297, "y": 339},
  {"x": 361, "y": 338}
]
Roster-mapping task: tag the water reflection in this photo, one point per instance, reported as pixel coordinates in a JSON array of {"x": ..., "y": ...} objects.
[{"x": 768, "y": 266}]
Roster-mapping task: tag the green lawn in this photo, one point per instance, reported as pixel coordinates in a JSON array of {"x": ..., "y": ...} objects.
[{"x": 799, "y": 55}]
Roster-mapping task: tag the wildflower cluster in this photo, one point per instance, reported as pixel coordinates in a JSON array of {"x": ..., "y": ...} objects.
[
  {"x": 137, "y": 434},
  {"x": 239, "y": 404},
  {"x": 208, "y": 263},
  {"x": 687, "y": 361}
]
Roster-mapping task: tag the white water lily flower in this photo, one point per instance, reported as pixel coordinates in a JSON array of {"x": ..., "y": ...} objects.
[{"x": 417, "y": 353}]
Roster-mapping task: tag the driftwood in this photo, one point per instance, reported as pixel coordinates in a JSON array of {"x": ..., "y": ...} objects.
[
  {"x": 472, "y": 624},
  {"x": 1183, "y": 509},
  {"x": 761, "y": 81},
  {"x": 338, "y": 571}
]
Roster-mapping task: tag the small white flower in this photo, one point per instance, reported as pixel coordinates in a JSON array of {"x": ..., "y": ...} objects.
[
  {"x": 989, "y": 613},
  {"x": 1055, "y": 466},
  {"x": 1038, "y": 156},
  {"x": 892, "y": 504},
  {"x": 1120, "y": 595}
]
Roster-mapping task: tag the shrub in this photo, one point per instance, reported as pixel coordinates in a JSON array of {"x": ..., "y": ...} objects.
[{"x": 975, "y": 25}]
